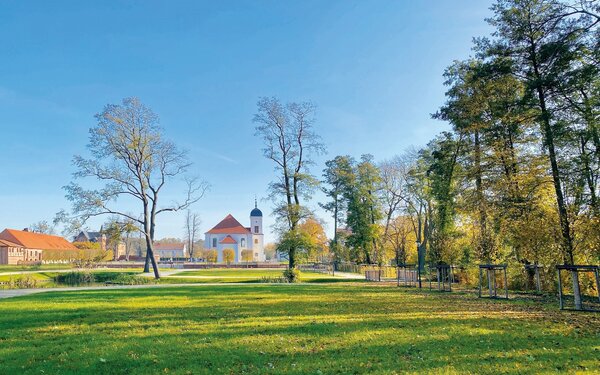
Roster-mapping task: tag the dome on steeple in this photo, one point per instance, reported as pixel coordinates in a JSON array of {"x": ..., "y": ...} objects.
[{"x": 255, "y": 212}]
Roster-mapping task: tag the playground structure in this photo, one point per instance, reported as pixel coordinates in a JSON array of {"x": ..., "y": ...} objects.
[{"x": 491, "y": 272}]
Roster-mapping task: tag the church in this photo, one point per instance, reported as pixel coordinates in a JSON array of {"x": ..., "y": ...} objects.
[{"x": 230, "y": 234}]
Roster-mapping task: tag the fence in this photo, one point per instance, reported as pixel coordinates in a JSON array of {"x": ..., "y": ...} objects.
[
  {"x": 373, "y": 275},
  {"x": 325, "y": 268}
]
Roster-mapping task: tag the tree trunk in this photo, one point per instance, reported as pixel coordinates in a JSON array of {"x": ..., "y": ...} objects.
[
  {"x": 484, "y": 243},
  {"x": 576, "y": 290},
  {"x": 567, "y": 244},
  {"x": 491, "y": 282},
  {"x": 150, "y": 257}
]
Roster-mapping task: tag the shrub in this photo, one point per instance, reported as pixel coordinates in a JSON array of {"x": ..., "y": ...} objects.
[
  {"x": 22, "y": 282},
  {"x": 128, "y": 279},
  {"x": 228, "y": 255},
  {"x": 247, "y": 255},
  {"x": 210, "y": 256},
  {"x": 273, "y": 280},
  {"x": 75, "y": 278},
  {"x": 292, "y": 275}
]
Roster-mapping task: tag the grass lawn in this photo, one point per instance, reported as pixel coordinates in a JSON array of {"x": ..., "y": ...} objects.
[
  {"x": 299, "y": 329},
  {"x": 19, "y": 268},
  {"x": 242, "y": 275}
]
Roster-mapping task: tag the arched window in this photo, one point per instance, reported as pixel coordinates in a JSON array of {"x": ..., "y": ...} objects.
[
  {"x": 214, "y": 242},
  {"x": 243, "y": 242},
  {"x": 256, "y": 241}
]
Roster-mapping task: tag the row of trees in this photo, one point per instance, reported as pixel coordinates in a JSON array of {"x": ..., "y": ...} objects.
[{"x": 516, "y": 178}]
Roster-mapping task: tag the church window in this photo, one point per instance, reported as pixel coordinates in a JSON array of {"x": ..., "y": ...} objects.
[
  {"x": 214, "y": 242},
  {"x": 243, "y": 242},
  {"x": 256, "y": 241},
  {"x": 256, "y": 229}
]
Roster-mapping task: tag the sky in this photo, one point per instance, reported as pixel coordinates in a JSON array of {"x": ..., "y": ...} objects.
[{"x": 373, "y": 69}]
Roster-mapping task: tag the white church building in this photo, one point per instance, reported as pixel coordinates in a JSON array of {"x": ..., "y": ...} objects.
[{"x": 230, "y": 234}]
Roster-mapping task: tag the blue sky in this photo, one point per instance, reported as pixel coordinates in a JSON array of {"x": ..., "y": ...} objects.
[{"x": 373, "y": 68}]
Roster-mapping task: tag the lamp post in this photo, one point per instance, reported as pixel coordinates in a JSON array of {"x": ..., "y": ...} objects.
[{"x": 419, "y": 262}]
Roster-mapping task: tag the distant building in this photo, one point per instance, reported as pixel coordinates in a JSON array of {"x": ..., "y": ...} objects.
[
  {"x": 12, "y": 253},
  {"x": 36, "y": 246},
  {"x": 85, "y": 236},
  {"x": 119, "y": 250},
  {"x": 170, "y": 251},
  {"x": 230, "y": 234}
]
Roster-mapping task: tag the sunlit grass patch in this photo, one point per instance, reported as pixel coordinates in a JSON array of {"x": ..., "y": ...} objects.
[{"x": 272, "y": 329}]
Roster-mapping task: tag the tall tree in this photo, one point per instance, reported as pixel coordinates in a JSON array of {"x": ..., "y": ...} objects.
[
  {"x": 192, "y": 229},
  {"x": 131, "y": 156},
  {"x": 290, "y": 142},
  {"x": 541, "y": 39},
  {"x": 335, "y": 177},
  {"x": 364, "y": 209}
]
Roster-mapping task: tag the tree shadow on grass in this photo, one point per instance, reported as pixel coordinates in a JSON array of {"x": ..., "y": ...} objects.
[{"x": 265, "y": 329}]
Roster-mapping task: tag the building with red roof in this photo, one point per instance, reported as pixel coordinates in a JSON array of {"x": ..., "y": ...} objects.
[
  {"x": 22, "y": 246},
  {"x": 171, "y": 251},
  {"x": 229, "y": 233}
]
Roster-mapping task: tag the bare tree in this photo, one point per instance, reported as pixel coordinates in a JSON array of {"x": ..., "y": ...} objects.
[
  {"x": 290, "y": 142},
  {"x": 134, "y": 161},
  {"x": 192, "y": 229},
  {"x": 394, "y": 174},
  {"x": 42, "y": 226}
]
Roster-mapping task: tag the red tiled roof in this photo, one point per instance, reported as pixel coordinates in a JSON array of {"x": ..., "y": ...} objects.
[
  {"x": 229, "y": 225},
  {"x": 40, "y": 241},
  {"x": 169, "y": 246},
  {"x": 228, "y": 240},
  {"x": 5, "y": 243}
]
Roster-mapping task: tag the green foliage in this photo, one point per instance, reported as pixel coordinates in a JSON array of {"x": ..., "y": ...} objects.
[
  {"x": 228, "y": 255},
  {"x": 75, "y": 278},
  {"x": 363, "y": 210},
  {"x": 298, "y": 241},
  {"x": 292, "y": 275}
]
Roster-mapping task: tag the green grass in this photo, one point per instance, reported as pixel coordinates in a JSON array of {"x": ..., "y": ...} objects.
[
  {"x": 298, "y": 329},
  {"x": 245, "y": 272},
  {"x": 241, "y": 275},
  {"x": 19, "y": 268}
]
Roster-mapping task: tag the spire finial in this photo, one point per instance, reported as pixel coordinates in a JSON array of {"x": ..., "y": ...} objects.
[{"x": 255, "y": 202}]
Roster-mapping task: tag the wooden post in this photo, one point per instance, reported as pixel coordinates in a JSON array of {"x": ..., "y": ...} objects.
[
  {"x": 430, "y": 278},
  {"x": 537, "y": 279},
  {"x": 480, "y": 282},
  {"x": 505, "y": 282},
  {"x": 493, "y": 272},
  {"x": 598, "y": 282},
  {"x": 560, "y": 293}
]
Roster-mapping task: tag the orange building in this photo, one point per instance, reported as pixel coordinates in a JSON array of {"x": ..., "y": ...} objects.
[
  {"x": 12, "y": 253},
  {"x": 22, "y": 246}
]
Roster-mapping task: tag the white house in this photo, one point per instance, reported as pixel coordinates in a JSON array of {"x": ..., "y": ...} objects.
[
  {"x": 230, "y": 234},
  {"x": 170, "y": 251}
]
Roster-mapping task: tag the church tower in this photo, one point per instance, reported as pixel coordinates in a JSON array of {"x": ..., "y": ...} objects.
[{"x": 256, "y": 227}]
